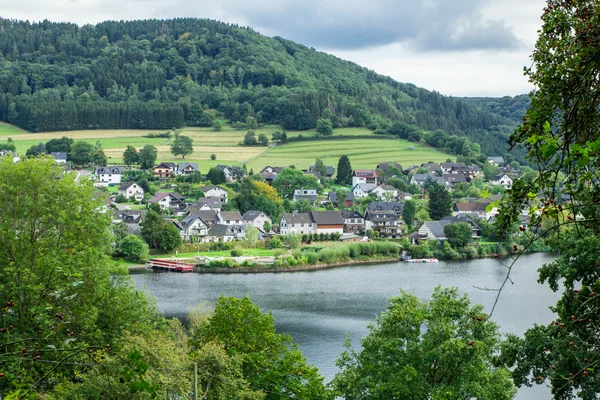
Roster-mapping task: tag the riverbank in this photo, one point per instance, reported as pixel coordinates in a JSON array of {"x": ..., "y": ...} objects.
[{"x": 296, "y": 268}]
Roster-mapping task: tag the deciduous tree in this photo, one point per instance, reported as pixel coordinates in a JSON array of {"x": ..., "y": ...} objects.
[
  {"x": 182, "y": 146},
  {"x": 147, "y": 156},
  {"x": 130, "y": 156}
]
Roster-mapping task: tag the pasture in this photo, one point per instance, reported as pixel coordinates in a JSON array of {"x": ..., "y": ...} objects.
[{"x": 226, "y": 145}]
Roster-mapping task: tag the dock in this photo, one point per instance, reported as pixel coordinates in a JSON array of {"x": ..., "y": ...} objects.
[
  {"x": 420, "y": 260},
  {"x": 174, "y": 265}
]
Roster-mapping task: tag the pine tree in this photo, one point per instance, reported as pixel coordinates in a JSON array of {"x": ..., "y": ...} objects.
[{"x": 344, "y": 171}]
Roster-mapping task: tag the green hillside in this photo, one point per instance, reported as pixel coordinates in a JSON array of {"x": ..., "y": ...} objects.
[{"x": 156, "y": 74}]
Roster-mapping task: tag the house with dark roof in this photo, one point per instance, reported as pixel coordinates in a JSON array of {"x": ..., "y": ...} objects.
[
  {"x": 330, "y": 171},
  {"x": 205, "y": 203},
  {"x": 385, "y": 165},
  {"x": 394, "y": 206},
  {"x": 349, "y": 199},
  {"x": 434, "y": 230},
  {"x": 309, "y": 195},
  {"x": 385, "y": 222},
  {"x": 312, "y": 222},
  {"x": 210, "y": 217},
  {"x": 106, "y": 176},
  {"x": 164, "y": 170},
  {"x": 231, "y": 218},
  {"x": 191, "y": 226},
  {"x": 502, "y": 180},
  {"x": 364, "y": 176},
  {"x": 354, "y": 222},
  {"x": 496, "y": 161},
  {"x": 328, "y": 221},
  {"x": 386, "y": 192},
  {"x": 433, "y": 167},
  {"x": 225, "y": 233},
  {"x": 362, "y": 190},
  {"x": 185, "y": 168},
  {"x": 131, "y": 190},
  {"x": 420, "y": 179},
  {"x": 257, "y": 219},
  {"x": 60, "y": 157},
  {"x": 475, "y": 210},
  {"x": 472, "y": 171},
  {"x": 211, "y": 191},
  {"x": 173, "y": 201}
]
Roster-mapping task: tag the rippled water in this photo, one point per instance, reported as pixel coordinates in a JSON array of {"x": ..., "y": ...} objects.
[{"x": 318, "y": 308}]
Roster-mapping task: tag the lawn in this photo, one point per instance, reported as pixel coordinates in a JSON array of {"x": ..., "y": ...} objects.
[
  {"x": 222, "y": 253},
  {"x": 225, "y": 145}
]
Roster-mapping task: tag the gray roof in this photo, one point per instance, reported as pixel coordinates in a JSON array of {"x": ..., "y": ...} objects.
[
  {"x": 307, "y": 197},
  {"x": 211, "y": 187},
  {"x": 333, "y": 196},
  {"x": 208, "y": 216},
  {"x": 381, "y": 215},
  {"x": 252, "y": 215},
  {"x": 59, "y": 155},
  {"x": 159, "y": 196},
  {"x": 459, "y": 218},
  {"x": 212, "y": 202},
  {"x": 276, "y": 170},
  {"x": 384, "y": 165},
  {"x": 166, "y": 165},
  {"x": 497, "y": 160},
  {"x": 186, "y": 222},
  {"x": 350, "y": 214},
  {"x": 330, "y": 170},
  {"x": 432, "y": 166},
  {"x": 327, "y": 217},
  {"x": 220, "y": 230},
  {"x": 127, "y": 185},
  {"x": 231, "y": 216},
  {"x": 183, "y": 165},
  {"x": 388, "y": 188},
  {"x": 385, "y": 206},
  {"x": 436, "y": 228},
  {"x": 298, "y": 218},
  {"x": 107, "y": 170},
  {"x": 366, "y": 187},
  {"x": 420, "y": 177}
]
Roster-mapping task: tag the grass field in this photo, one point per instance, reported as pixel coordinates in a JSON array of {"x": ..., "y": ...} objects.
[{"x": 225, "y": 144}]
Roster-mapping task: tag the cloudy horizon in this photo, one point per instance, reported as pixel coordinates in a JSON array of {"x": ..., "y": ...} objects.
[{"x": 455, "y": 47}]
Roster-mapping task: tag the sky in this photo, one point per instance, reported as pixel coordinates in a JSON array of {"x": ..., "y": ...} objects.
[{"x": 455, "y": 47}]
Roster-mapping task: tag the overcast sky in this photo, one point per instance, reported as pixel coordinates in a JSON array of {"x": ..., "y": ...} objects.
[{"x": 456, "y": 47}]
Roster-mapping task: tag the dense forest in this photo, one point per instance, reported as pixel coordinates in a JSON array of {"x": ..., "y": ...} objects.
[
  {"x": 156, "y": 74},
  {"x": 513, "y": 108}
]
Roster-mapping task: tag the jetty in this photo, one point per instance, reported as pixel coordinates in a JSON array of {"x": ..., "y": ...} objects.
[{"x": 174, "y": 265}]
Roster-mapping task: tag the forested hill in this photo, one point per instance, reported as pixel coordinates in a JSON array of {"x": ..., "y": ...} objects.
[
  {"x": 513, "y": 108},
  {"x": 163, "y": 74}
]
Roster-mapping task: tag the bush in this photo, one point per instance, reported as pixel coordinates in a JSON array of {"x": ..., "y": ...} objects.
[
  {"x": 237, "y": 252},
  {"x": 279, "y": 252},
  {"x": 135, "y": 249},
  {"x": 311, "y": 257},
  {"x": 120, "y": 199},
  {"x": 226, "y": 263},
  {"x": 276, "y": 242},
  {"x": 165, "y": 135},
  {"x": 213, "y": 157}
]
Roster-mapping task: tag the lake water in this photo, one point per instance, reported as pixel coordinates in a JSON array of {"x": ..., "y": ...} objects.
[{"x": 318, "y": 308}]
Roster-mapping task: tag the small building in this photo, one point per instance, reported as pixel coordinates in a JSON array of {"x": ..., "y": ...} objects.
[
  {"x": 385, "y": 192},
  {"x": 312, "y": 222},
  {"x": 205, "y": 203},
  {"x": 173, "y": 201},
  {"x": 349, "y": 200},
  {"x": 213, "y": 191},
  {"x": 354, "y": 222},
  {"x": 185, "y": 168},
  {"x": 309, "y": 195},
  {"x": 191, "y": 227},
  {"x": 59, "y": 157},
  {"x": 385, "y": 222},
  {"x": 364, "y": 176},
  {"x": 257, "y": 219},
  {"x": 210, "y": 217},
  {"x": 164, "y": 170},
  {"x": 330, "y": 171},
  {"x": 225, "y": 233},
  {"x": 385, "y": 165},
  {"x": 231, "y": 218},
  {"x": 433, "y": 168},
  {"x": 131, "y": 190},
  {"x": 475, "y": 209},
  {"x": 328, "y": 221},
  {"x": 499, "y": 161},
  {"x": 469, "y": 170},
  {"x": 106, "y": 176},
  {"x": 502, "y": 180},
  {"x": 420, "y": 179},
  {"x": 362, "y": 190}
]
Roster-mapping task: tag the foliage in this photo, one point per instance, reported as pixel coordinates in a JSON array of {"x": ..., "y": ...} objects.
[
  {"x": 250, "y": 138},
  {"x": 292, "y": 240},
  {"x": 251, "y": 235},
  {"x": 267, "y": 226},
  {"x": 276, "y": 242},
  {"x": 270, "y": 361},
  {"x": 216, "y": 176},
  {"x": 409, "y": 211},
  {"x": 440, "y": 202},
  {"x": 182, "y": 145},
  {"x": 130, "y": 156},
  {"x": 36, "y": 150},
  {"x": 324, "y": 127},
  {"x": 147, "y": 156},
  {"x": 254, "y": 195},
  {"x": 62, "y": 145},
  {"x": 134, "y": 249},
  {"x": 152, "y": 227},
  {"x": 170, "y": 238},
  {"x": 82, "y": 153},
  {"x": 292, "y": 178},
  {"x": 459, "y": 234},
  {"x": 263, "y": 139},
  {"x": 442, "y": 349},
  {"x": 344, "y": 171}
]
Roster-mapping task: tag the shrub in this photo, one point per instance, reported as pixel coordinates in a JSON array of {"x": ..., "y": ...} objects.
[
  {"x": 276, "y": 242},
  {"x": 311, "y": 257},
  {"x": 226, "y": 263},
  {"x": 354, "y": 250},
  {"x": 237, "y": 252},
  {"x": 213, "y": 156},
  {"x": 134, "y": 248}
]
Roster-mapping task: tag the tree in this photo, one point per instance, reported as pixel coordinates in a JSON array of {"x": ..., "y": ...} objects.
[
  {"x": 324, "y": 127},
  {"x": 36, "y": 150},
  {"x": 250, "y": 139},
  {"x": 263, "y": 139},
  {"x": 134, "y": 249},
  {"x": 320, "y": 168},
  {"x": 152, "y": 227},
  {"x": 170, "y": 238},
  {"x": 271, "y": 362},
  {"x": 254, "y": 195},
  {"x": 216, "y": 176},
  {"x": 82, "y": 153},
  {"x": 560, "y": 135},
  {"x": 284, "y": 137},
  {"x": 344, "y": 171},
  {"x": 10, "y": 146},
  {"x": 409, "y": 210},
  {"x": 217, "y": 125},
  {"x": 182, "y": 145},
  {"x": 62, "y": 145},
  {"x": 459, "y": 234},
  {"x": 292, "y": 240},
  {"x": 251, "y": 235},
  {"x": 251, "y": 123},
  {"x": 292, "y": 178},
  {"x": 442, "y": 349},
  {"x": 267, "y": 226},
  {"x": 147, "y": 156},
  {"x": 130, "y": 156},
  {"x": 440, "y": 202},
  {"x": 213, "y": 156},
  {"x": 98, "y": 156}
]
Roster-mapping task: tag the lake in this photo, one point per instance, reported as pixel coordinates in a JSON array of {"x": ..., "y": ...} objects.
[{"x": 319, "y": 307}]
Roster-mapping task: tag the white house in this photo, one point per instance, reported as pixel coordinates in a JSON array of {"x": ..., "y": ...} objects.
[
  {"x": 364, "y": 176},
  {"x": 312, "y": 222},
  {"x": 107, "y": 176},
  {"x": 305, "y": 194},
  {"x": 131, "y": 190},
  {"x": 174, "y": 201},
  {"x": 191, "y": 227},
  {"x": 231, "y": 218},
  {"x": 503, "y": 180},
  {"x": 215, "y": 191},
  {"x": 185, "y": 168},
  {"x": 385, "y": 192},
  {"x": 496, "y": 160},
  {"x": 59, "y": 157},
  {"x": 256, "y": 218},
  {"x": 361, "y": 190},
  {"x": 9, "y": 153}
]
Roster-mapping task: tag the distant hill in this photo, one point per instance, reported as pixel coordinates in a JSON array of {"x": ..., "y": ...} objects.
[
  {"x": 160, "y": 74},
  {"x": 513, "y": 108}
]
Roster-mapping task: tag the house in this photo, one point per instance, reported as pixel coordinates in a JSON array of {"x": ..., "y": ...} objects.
[
  {"x": 106, "y": 176},
  {"x": 364, "y": 176},
  {"x": 469, "y": 170},
  {"x": 312, "y": 222},
  {"x": 353, "y": 221},
  {"x": 410, "y": 169},
  {"x": 225, "y": 233},
  {"x": 190, "y": 227},
  {"x": 204, "y": 203},
  {"x": 362, "y": 190},
  {"x": 385, "y": 192},
  {"x": 131, "y": 218},
  {"x": 184, "y": 168},
  {"x": 305, "y": 194},
  {"x": 385, "y": 222},
  {"x": 329, "y": 174},
  {"x": 405, "y": 196},
  {"x": 420, "y": 179},
  {"x": 475, "y": 210},
  {"x": 447, "y": 167},
  {"x": 232, "y": 174},
  {"x": 269, "y": 178},
  {"x": 496, "y": 161},
  {"x": 173, "y": 201},
  {"x": 231, "y": 218},
  {"x": 15, "y": 157},
  {"x": 210, "y": 217},
  {"x": 164, "y": 170},
  {"x": 212, "y": 191},
  {"x": 394, "y": 206},
  {"x": 349, "y": 200},
  {"x": 271, "y": 170},
  {"x": 60, "y": 157},
  {"x": 316, "y": 174},
  {"x": 463, "y": 218},
  {"x": 385, "y": 165},
  {"x": 256, "y": 218},
  {"x": 434, "y": 230},
  {"x": 131, "y": 190},
  {"x": 503, "y": 180},
  {"x": 433, "y": 168}
]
